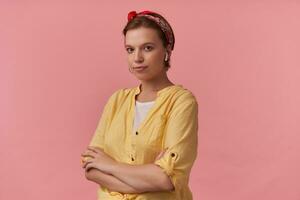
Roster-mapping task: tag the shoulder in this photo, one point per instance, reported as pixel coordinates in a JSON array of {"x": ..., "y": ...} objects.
[
  {"x": 185, "y": 104},
  {"x": 185, "y": 96},
  {"x": 120, "y": 94}
]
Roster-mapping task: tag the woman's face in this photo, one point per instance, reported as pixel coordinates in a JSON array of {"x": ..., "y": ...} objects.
[{"x": 145, "y": 53}]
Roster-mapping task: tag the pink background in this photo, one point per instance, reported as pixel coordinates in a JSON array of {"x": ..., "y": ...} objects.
[{"x": 61, "y": 60}]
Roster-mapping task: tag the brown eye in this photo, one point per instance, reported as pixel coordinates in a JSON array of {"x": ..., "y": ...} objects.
[
  {"x": 129, "y": 50},
  {"x": 148, "y": 48}
]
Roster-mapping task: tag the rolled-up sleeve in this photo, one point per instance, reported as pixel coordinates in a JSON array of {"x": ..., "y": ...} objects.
[{"x": 181, "y": 141}]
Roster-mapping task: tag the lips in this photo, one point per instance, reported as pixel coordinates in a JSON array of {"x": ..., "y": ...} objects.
[{"x": 140, "y": 67}]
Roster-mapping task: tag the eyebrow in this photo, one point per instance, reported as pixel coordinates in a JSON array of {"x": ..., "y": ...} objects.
[{"x": 127, "y": 45}]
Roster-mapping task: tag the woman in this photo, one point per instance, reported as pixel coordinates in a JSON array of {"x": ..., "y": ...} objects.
[{"x": 146, "y": 140}]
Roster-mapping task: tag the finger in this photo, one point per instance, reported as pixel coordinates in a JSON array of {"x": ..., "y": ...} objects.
[
  {"x": 87, "y": 162},
  {"x": 89, "y": 166},
  {"x": 95, "y": 149},
  {"x": 85, "y": 158},
  {"x": 161, "y": 154},
  {"x": 163, "y": 151},
  {"x": 86, "y": 152},
  {"x": 90, "y": 153},
  {"x": 82, "y": 161}
]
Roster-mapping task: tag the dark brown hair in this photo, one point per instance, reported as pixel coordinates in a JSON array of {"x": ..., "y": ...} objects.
[{"x": 141, "y": 21}]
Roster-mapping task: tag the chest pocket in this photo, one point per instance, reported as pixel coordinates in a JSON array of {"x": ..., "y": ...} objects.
[{"x": 158, "y": 131}]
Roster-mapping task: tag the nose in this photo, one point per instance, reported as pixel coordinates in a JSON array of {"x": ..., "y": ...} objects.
[{"x": 138, "y": 56}]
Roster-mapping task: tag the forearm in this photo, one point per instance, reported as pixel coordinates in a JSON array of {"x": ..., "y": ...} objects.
[
  {"x": 147, "y": 177},
  {"x": 109, "y": 181}
]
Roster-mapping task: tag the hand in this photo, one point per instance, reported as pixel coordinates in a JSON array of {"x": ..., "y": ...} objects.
[
  {"x": 161, "y": 154},
  {"x": 97, "y": 159}
]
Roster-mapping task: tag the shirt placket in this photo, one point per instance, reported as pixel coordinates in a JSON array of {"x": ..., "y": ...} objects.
[
  {"x": 133, "y": 138},
  {"x": 131, "y": 148}
]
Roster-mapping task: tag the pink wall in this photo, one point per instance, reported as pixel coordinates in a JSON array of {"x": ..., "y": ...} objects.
[{"x": 61, "y": 60}]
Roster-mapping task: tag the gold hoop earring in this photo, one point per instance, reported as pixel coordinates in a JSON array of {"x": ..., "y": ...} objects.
[{"x": 129, "y": 68}]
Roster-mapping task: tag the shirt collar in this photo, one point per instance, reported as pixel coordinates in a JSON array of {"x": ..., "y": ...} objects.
[{"x": 161, "y": 91}]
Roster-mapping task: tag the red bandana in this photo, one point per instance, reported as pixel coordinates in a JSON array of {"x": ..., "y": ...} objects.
[{"x": 160, "y": 22}]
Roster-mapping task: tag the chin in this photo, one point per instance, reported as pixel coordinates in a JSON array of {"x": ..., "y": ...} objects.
[{"x": 143, "y": 77}]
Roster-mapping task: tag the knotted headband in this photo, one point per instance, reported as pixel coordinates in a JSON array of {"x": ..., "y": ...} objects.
[{"x": 166, "y": 29}]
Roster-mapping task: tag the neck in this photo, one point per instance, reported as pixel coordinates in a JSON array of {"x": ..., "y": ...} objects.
[{"x": 155, "y": 85}]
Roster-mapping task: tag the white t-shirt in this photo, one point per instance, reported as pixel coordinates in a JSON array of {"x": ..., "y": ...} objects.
[{"x": 141, "y": 110}]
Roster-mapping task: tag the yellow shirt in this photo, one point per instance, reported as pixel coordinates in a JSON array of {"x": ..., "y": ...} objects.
[{"x": 171, "y": 123}]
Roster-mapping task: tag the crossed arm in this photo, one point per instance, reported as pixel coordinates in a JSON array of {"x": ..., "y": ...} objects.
[
  {"x": 109, "y": 181},
  {"x": 126, "y": 178}
]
